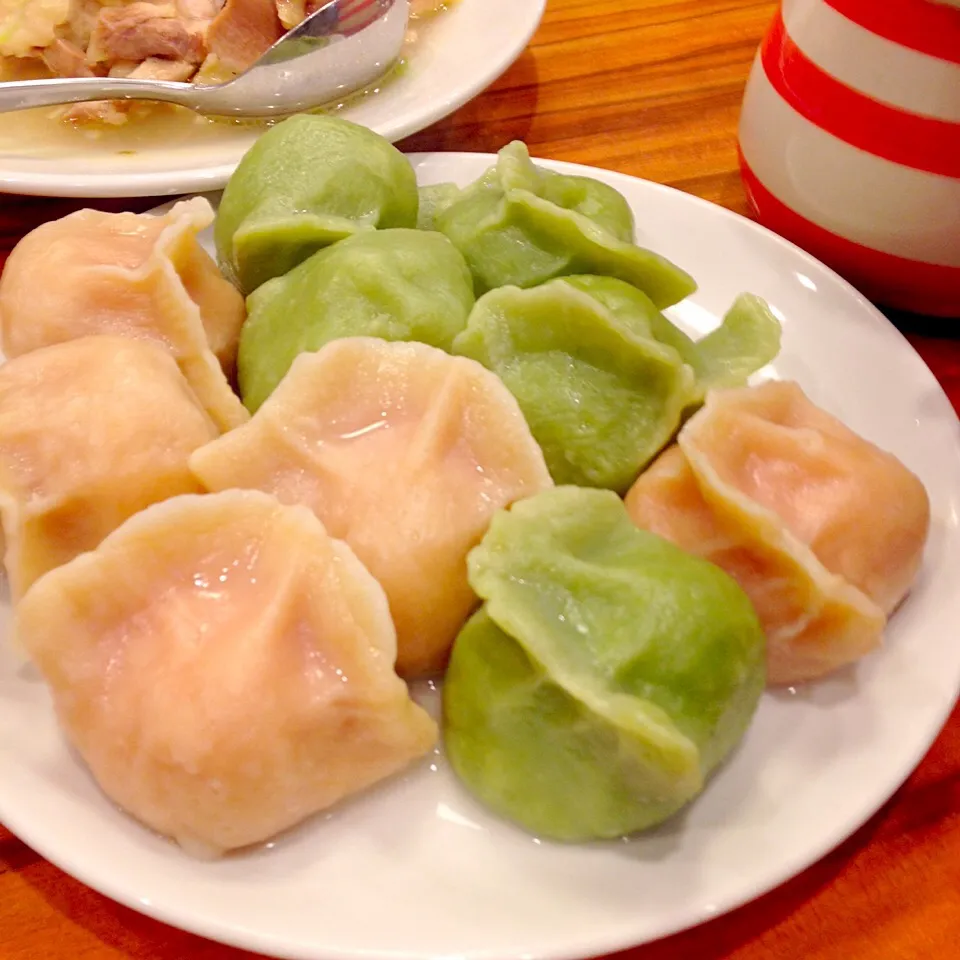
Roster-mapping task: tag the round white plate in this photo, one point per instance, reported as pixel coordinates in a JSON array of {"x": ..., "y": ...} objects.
[
  {"x": 453, "y": 58},
  {"x": 417, "y": 870}
]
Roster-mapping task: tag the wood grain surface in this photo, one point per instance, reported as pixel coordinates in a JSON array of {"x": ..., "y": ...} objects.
[{"x": 651, "y": 89}]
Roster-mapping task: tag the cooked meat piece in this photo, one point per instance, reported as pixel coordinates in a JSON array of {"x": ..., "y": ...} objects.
[
  {"x": 114, "y": 112},
  {"x": 141, "y": 30},
  {"x": 242, "y": 31},
  {"x": 66, "y": 59},
  {"x": 156, "y": 68}
]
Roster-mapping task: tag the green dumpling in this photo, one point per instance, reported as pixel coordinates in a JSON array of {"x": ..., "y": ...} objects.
[
  {"x": 391, "y": 284},
  {"x": 747, "y": 339},
  {"x": 520, "y": 225},
  {"x": 434, "y": 198},
  {"x": 606, "y": 675},
  {"x": 306, "y": 183},
  {"x": 602, "y": 397},
  {"x": 604, "y": 379}
]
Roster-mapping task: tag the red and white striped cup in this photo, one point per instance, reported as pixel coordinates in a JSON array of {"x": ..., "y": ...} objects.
[{"x": 850, "y": 143}]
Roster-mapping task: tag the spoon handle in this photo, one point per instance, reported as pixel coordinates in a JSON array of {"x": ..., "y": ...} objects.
[{"x": 23, "y": 94}]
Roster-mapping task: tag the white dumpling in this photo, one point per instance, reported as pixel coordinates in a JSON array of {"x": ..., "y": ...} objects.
[
  {"x": 403, "y": 451},
  {"x": 862, "y": 513},
  {"x": 814, "y": 620},
  {"x": 91, "y": 431},
  {"x": 225, "y": 668},
  {"x": 823, "y": 530},
  {"x": 134, "y": 275}
]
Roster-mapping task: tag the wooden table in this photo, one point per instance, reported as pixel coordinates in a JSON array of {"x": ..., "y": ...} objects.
[{"x": 650, "y": 88}]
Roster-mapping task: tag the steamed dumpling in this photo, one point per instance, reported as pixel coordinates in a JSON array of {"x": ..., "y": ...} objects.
[
  {"x": 606, "y": 676},
  {"x": 597, "y": 371},
  {"x": 306, "y": 183},
  {"x": 134, "y": 275},
  {"x": 225, "y": 669},
  {"x": 822, "y": 529},
  {"x": 747, "y": 338},
  {"x": 521, "y": 225},
  {"x": 91, "y": 431},
  {"x": 434, "y": 197},
  {"x": 392, "y": 284},
  {"x": 814, "y": 621},
  {"x": 403, "y": 451}
]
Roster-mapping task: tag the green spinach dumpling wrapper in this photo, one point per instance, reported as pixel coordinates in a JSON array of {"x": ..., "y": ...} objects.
[
  {"x": 389, "y": 284},
  {"x": 606, "y": 675},
  {"x": 602, "y": 377},
  {"x": 747, "y": 339},
  {"x": 306, "y": 183},
  {"x": 521, "y": 225}
]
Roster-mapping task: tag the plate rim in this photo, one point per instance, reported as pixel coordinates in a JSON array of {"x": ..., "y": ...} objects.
[{"x": 599, "y": 942}]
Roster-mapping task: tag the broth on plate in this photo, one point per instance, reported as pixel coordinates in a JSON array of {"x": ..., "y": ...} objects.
[{"x": 40, "y": 134}]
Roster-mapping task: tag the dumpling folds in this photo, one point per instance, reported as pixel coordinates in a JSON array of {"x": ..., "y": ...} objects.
[
  {"x": 91, "y": 431},
  {"x": 133, "y": 275},
  {"x": 306, "y": 183},
  {"x": 822, "y": 529},
  {"x": 434, "y": 197},
  {"x": 392, "y": 284},
  {"x": 225, "y": 669},
  {"x": 402, "y": 451},
  {"x": 607, "y": 674},
  {"x": 520, "y": 225},
  {"x": 602, "y": 377},
  {"x": 747, "y": 338}
]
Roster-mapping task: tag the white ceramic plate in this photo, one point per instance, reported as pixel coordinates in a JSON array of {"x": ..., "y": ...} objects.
[
  {"x": 453, "y": 58},
  {"x": 416, "y": 870}
]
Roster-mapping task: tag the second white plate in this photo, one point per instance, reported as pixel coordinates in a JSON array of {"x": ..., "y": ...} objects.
[{"x": 454, "y": 57}]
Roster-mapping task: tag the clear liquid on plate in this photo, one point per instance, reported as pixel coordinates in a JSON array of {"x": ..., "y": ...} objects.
[{"x": 155, "y": 125}]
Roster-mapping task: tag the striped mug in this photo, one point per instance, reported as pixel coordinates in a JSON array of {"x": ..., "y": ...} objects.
[{"x": 850, "y": 143}]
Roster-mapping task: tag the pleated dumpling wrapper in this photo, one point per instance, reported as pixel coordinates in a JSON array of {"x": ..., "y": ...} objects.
[
  {"x": 129, "y": 274},
  {"x": 91, "y": 431},
  {"x": 823, "y": 530},
  {"x": 606, "y": 676},
  {"x": 521, "y": 225},
  {"x": 225, "y": 669},
  {"x": 305, "y": 184},
  {"x": 391, "y": 284},
  {"x": 403, "y": 451},
  {"x": 602, "y": 377}
]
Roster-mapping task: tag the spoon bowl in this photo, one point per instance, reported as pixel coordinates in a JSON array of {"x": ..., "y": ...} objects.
[{"x": 335, "y": 51}]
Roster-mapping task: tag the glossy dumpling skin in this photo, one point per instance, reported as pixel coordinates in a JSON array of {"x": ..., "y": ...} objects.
[
  {"x": 305, "y": 184},
  {"x": 599, "y": 373},
  {"x": 391, "y": 284},
  {"x": 129, "y": 274},
  {"x": 606, "y": 675},
  {"x": 225, "y": 669},
  {"x": 823, "y": 530},
  {"x": 91, "y": 431},
  {"x": 402, "y": 451},
  {"x": 747, "y": 338},
  {"x": 521, "y": 225}
]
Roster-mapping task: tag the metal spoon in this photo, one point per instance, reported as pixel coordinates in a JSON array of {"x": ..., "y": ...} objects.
[{"x": 338, "y": 49}]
